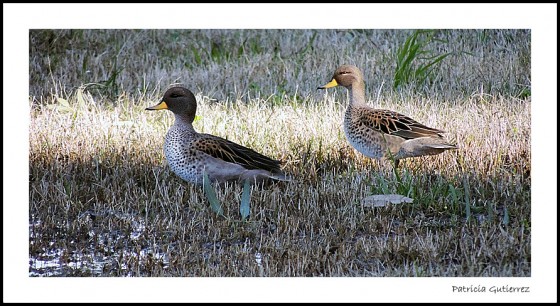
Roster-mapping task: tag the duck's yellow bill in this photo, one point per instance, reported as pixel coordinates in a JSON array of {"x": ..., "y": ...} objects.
[
  {"x": 330, "y": 84},
  {"x": 160, "y": 105}
]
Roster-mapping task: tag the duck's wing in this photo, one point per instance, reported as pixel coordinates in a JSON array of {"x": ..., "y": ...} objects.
[
  {"x": 393, "y": 123},
  {"x": 234, "y": 153}
]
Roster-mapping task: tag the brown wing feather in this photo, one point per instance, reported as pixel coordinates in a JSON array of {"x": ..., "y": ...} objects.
[
  {"x": 393, "y": 123},
  {"x": 234, "y": 153}
]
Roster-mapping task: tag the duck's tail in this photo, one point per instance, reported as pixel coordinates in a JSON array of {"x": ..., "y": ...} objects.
[{"x": 424, "y": 146}]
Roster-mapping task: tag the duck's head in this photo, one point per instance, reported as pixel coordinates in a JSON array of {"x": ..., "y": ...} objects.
[
  {"x": 179, "y": 100},
  {"x": 345, "y": 76}
]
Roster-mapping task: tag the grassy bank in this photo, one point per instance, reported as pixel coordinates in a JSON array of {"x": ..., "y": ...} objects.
[{"x": 101, "y": 194}]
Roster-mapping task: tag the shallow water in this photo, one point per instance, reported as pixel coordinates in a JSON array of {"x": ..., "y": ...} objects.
[{"x": 103, "y": 254}]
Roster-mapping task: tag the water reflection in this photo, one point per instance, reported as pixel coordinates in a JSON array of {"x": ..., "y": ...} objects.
[{"x": 105, "y": 252}]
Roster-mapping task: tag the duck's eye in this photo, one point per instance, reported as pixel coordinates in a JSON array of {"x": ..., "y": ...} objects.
[
  {"x": 174, "y": 95},
  {"x": 345, "y": 72}
]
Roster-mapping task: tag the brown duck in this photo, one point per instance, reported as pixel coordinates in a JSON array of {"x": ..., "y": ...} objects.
[
  {"x": 379, "y": 133},
  {"x": 190, "y": 153}
]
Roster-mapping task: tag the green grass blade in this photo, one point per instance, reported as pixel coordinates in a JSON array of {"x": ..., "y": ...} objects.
[
  {"x": 467, "y": 199},
  {"x": 454, "y": 195},
  {"x": 196, "y": 55},
  {"x": 505, "y": 221},
  {"x": 437, "y": 60}
]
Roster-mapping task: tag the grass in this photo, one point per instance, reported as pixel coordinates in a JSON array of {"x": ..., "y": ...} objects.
[
  {"x": 104, "y": 203},
  {"x": 414, "y": 50}
]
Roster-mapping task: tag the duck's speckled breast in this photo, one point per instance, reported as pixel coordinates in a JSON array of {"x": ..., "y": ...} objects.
[
  {"x": 183, "y": 160},
  {"x": 365, "y": 139}
]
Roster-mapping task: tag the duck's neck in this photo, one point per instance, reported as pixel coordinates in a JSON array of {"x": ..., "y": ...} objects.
[
  {"x": 357, "y": 94},
  {"x": 184, "y": 121}
]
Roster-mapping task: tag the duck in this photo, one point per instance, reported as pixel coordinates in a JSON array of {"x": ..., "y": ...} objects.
[
  {"x": 190, "y": 154},
  {"x": 380, "y": 133}
]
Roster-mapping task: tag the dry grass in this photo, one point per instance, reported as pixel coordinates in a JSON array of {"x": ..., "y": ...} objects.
[{"x": 103, "y": 201}]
